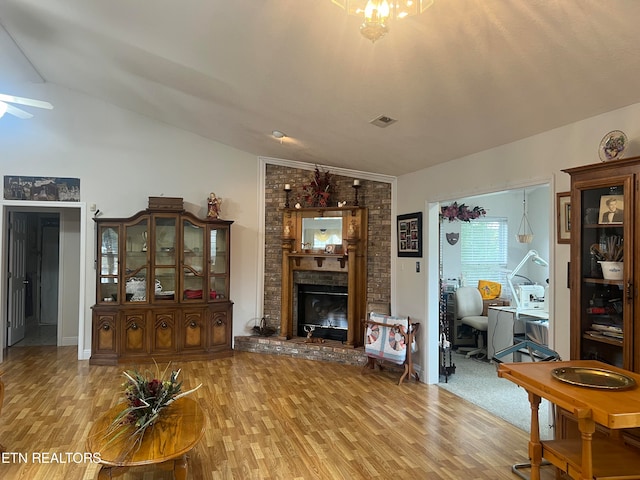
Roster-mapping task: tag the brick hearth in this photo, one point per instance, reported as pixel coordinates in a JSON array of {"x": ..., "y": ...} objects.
[{"x": 329, "y": 351}]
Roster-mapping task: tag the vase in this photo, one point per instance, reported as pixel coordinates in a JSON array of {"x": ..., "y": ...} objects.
[{"x": 612, "y": 270}]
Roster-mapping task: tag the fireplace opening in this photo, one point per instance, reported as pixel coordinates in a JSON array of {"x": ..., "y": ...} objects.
[{"x": 323, "y": 308}]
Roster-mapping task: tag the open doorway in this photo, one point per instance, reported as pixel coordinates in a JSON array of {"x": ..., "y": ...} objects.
[
  {"x": 34, "y": 258},
  {"x": 475, "y": 379},
  {"x": 43, "y": 258}
]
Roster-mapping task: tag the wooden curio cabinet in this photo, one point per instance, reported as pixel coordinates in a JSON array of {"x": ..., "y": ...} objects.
[
  {"x": 162, "y": 286},
  {"x": 604, "y": 296}
]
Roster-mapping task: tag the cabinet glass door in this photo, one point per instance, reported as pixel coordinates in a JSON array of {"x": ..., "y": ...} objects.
[
  {"x": 108, "y": 263},
  {"x": 136, "y": 261},
  {"x": 193, "y": 277},
  {"x": 218, "y": 277},
  {"x": 604, "y": 327},
  {"x": 165, "y": 255}
]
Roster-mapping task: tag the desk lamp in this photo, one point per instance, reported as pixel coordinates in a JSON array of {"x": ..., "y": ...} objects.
[{"x": 535, "y": 258}]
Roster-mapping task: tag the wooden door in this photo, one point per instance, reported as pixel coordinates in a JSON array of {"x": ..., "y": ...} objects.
[{"x": 17, "y": 277}]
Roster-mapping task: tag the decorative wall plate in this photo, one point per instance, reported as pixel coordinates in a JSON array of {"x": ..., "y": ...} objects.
[
  {"x": 612, "y": 146},
  {"x": 593, "y": 378}
]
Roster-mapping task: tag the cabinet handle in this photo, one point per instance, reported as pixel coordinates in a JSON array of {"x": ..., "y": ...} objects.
[
  {"x": 219, "y": 322},
  {"x": 134, "y": 326},
  {"x": 629, "y": 291},
  {"x": 193, "y": 324},
  {"x": 163, "y": 325},
  {"x": 106, "y": 327}
]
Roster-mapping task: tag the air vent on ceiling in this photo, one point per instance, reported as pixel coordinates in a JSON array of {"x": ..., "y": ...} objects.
[{"x": 382, "y": 121}]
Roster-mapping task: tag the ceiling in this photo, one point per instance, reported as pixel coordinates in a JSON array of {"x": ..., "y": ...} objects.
[{"x": 464, "y": 76}]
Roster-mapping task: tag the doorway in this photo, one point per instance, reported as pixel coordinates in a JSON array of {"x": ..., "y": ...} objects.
[
  {"x": 52, "y": 250},
  {"x": 36, "y": 244},
  {"x": 505, "y": 207}
]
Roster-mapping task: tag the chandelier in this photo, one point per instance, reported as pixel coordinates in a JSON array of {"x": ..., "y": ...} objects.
[{"x": 376, "y": 13}]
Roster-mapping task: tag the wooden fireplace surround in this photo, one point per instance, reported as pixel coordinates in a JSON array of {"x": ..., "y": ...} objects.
[{"x": 350, "y": 258}]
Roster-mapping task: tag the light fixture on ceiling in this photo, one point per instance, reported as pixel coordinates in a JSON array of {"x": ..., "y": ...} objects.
[
  {"x": 3, "y": 109},
  {"x": 376, "y": 13},
  {"x": 525, "y": 233},
  {"x": 279, "y": 135}
]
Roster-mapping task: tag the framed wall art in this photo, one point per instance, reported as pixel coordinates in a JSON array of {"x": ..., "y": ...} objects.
[
  {"x": 564, "y": 216},
  {"x": 410, "y": 235}
]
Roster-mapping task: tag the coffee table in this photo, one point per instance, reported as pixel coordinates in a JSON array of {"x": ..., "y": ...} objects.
[{"x": 175, "y": 433}]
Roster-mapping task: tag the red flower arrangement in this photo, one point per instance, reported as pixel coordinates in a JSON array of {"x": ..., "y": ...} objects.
[
  {"x": 461, "y": 212},
  {"x": 317, "y": 192},
  {"x": 145, "y": 398}
]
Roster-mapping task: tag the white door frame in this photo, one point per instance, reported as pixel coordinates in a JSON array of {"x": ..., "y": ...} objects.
[{"x": 34, "y": 206}]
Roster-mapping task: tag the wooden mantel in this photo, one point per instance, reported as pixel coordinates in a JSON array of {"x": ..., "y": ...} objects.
[{"x": 349, "y": 257}]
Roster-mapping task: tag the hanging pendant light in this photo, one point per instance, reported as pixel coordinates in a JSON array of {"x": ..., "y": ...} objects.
[
  {"x": 377, "y": 12},
  {"x": 525, "y": 233}
]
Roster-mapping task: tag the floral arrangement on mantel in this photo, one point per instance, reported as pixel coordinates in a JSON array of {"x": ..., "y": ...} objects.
[
  {"x": 146, "y": 397},
  {"x": 461, "y": 212},
  {"x": 316, "y": 193}
]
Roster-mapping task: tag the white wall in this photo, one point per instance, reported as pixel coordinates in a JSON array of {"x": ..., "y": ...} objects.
[
  {"x": 534, "y": 160},
  {"x": 123, "y": 158}
]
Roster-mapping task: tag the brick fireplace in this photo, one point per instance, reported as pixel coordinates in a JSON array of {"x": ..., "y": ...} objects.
[{"x": 375, "y": 195}]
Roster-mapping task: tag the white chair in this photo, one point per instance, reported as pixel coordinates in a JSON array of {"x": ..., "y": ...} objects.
[{"x": 469, "y": 308}]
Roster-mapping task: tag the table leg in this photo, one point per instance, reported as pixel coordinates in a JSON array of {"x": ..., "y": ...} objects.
[
  {"x": 104, "y": 473},
  {"x": 180, "y": 468},
  {"x": 535, "y": 447},
  {"x": 587, "y": 427}
]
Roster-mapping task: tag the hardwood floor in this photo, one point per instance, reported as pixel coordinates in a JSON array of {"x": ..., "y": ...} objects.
[{"x": 269, "y": 417}]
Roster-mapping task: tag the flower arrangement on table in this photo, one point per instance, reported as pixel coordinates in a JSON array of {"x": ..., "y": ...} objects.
[
  {"x": 316, "y": 193},
  {"x": 461, "y": 212},
  {"x": 146, "y": 397}
]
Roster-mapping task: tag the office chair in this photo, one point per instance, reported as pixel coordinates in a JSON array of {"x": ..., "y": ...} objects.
[{"x": 469, "y": 308}]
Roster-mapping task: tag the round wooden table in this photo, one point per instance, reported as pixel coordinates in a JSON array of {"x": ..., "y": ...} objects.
[{"x": 178, "y": 428}]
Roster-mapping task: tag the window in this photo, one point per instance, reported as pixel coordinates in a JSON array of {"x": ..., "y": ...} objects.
[{"x": 484, "y": 250}]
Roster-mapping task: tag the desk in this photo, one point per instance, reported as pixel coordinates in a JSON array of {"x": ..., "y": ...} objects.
[
  {"x": 503, "y": 326},
  {"x": 178, "y": 429},
  {"x": 584, "y": 458}
]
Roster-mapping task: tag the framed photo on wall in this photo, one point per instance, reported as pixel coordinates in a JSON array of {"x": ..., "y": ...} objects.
[
  {"x": 410, "y": 235},
  {"x": 564, "y": 216}
]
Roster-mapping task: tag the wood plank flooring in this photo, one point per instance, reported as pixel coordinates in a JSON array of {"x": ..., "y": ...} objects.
[{"x": 269, "y": 417}]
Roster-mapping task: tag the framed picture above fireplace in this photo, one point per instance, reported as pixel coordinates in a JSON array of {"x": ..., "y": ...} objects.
[{"x": 410, "y": 235}]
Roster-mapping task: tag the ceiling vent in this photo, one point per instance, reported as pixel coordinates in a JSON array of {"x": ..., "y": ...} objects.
[{"x": 382, "y": 121}]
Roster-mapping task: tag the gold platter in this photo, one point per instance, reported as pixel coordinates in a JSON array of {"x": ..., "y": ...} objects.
[{"x": 593, "y": 378}]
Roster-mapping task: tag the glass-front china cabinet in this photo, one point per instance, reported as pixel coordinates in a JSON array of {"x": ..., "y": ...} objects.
[
  {"x": 604, "y": 321},
  {"x": 162, "y": 286}
]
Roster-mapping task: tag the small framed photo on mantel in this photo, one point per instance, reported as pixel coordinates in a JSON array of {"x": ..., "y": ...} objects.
[{"x": 410, "y": 235}]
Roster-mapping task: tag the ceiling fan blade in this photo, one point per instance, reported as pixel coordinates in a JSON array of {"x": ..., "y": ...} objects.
[
  {"x": 25, "y": 101},
  {"x": 18, "y": 112}
]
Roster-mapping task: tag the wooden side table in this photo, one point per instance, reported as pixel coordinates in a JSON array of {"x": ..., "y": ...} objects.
[
  {"x": 585, "y": 458},
  {"x": 175, "y": 433}
]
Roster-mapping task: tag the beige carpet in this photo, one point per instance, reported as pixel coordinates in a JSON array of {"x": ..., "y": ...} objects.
[{"x": 477, "y": 381}]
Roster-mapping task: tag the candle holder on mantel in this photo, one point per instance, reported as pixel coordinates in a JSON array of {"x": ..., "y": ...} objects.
[
  {"x": 356, "y": 186},
  {"x": 287, "y": 191}
]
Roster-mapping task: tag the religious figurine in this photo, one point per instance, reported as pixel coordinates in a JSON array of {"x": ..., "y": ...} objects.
[{"x": 214, "y": 204}]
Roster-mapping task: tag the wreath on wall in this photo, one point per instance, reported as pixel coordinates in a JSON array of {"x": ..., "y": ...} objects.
[
  {"x": 316, "y": 193},
  {"x": 461, "y": 212}
]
